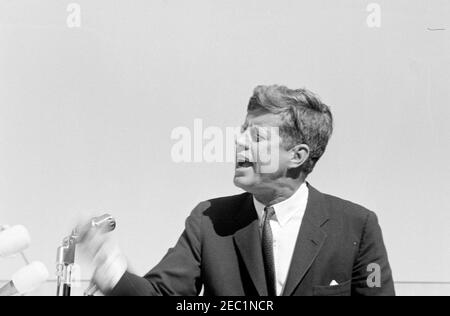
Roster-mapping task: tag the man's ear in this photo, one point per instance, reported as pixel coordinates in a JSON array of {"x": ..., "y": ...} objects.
[{"x": 300, "y": 153}]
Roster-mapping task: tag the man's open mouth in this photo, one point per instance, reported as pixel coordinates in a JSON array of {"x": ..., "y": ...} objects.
[{"x": 244, "y": 164}]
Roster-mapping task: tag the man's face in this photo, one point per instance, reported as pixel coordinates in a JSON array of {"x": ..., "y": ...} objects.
[{"x": 261, "y": 160}]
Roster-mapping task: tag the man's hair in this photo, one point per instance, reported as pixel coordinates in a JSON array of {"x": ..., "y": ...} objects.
[{"x": 306, "y": 120}]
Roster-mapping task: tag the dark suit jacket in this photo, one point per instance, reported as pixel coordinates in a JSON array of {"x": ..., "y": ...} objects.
[{"x": 220, "y": 250}]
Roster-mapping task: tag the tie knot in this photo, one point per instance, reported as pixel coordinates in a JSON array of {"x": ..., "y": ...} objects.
[{"x": 270, "y": 212}]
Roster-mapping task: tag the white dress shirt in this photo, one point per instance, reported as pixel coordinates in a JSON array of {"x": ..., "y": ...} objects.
[{"x": 285, "y": 228}]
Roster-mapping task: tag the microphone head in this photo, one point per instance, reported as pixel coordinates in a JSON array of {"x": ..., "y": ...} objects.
[
  {"x": 29, "y": 278},
  {"x": 14, "y": 240}
]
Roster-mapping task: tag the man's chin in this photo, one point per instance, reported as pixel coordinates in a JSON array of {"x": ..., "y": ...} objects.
[{"x": 243, "y": 182}]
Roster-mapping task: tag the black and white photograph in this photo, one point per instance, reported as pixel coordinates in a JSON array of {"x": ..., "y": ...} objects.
[{"x": 233, "y": 151}]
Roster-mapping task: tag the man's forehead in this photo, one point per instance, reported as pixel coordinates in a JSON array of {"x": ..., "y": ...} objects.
[{"x": 263, "y": 119}]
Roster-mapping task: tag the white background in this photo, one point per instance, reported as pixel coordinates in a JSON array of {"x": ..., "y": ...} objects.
[{"x": 86, "y": 114}]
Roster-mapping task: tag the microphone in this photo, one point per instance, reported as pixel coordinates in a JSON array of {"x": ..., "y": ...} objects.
[
  {"x": 26, "y": 280},
  {"x": 14, "y": 240},
  {"x": 65, "y": 257}
]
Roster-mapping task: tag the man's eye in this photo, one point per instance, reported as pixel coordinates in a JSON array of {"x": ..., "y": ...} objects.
[
  {"x": 256, "y": 136},
  {"x": 263, "y": 134}
]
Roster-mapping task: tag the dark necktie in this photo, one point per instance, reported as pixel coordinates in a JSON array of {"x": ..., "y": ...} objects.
[{"x": 267, "y": 247}]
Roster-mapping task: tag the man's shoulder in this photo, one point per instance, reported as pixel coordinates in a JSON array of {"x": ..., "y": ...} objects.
[
  {"x": 231, "y": 199},
  {"x": 224, "y": 215},
  {"x": 340, "y": 207},
  {"x": 228, "y": 205}
]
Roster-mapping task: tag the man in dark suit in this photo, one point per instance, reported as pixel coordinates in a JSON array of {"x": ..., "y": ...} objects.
[{"x": 281, "y": 237}]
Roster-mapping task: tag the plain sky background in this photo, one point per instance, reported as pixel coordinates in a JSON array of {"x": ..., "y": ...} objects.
[{"x": 86, "y": 114}]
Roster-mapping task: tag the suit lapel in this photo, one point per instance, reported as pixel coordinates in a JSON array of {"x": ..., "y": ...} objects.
[
  {"x": 309, "y": 241},
  {"x": 248, "y": 241}
]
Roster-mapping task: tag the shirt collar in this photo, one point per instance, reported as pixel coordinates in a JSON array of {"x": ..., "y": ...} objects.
[{"x": 287, "y": 209}]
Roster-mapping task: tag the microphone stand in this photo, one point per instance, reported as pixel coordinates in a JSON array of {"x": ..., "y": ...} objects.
[
  {"x": 65, "y": 260},
  {"x": 65, "y": 257}
]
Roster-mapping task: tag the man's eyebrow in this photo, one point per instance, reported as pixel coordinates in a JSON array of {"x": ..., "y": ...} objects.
[{"x": 259, "y": 125}]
